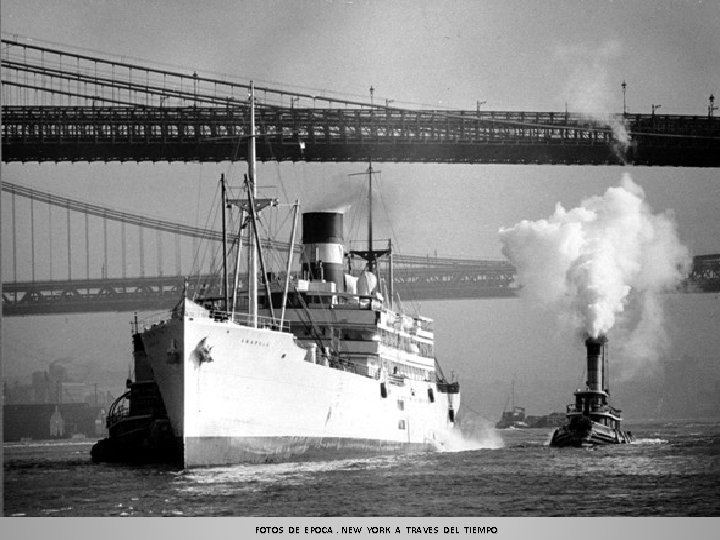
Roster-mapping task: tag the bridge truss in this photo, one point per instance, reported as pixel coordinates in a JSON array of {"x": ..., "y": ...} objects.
[
  {"x": 437, "y": 280},
  {"x": 416, "y": 279},
  {"x": 66, "y": 106}
]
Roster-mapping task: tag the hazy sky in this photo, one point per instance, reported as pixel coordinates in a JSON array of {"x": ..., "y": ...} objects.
[{"x": 515, "y": 55}]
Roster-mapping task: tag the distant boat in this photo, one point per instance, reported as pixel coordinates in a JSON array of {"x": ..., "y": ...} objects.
[
  {"x": 591, "y": 420},
  {"x": 554, "y": 419},
  {"x": 513, "y": 418}
]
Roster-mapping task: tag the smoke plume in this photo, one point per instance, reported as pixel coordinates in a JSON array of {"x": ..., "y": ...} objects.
[
  {"x": 590, "y": 89},
  {"x": 339, "y": 198},
  {"x": 595, "y": 260}
]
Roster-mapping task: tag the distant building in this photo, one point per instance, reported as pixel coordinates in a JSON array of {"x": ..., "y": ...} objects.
[
  {"x": 57, "y": 372},
  {"x": 74, "y": 392},
  {"x": 100, "y": 428},
  {"x": 41, "y": 387},
  {"x": 47, "y": 389},
  {"x": 45, "y": 421},
  {"x": 57, "y": 427}
]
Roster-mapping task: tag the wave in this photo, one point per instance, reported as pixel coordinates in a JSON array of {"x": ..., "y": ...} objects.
[
  {"x": 464, "y": 442},
  {"x": 648, "y": 440},
  {"x": 47, "y": 444},
  {"x": 254, "y": 476}
]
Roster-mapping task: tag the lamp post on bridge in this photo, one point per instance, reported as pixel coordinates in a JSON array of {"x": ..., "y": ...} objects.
[
  {"x": 654, "y": 108},
  {"x": 711, "y": 106},
  {"x": 624, "y": 89},
  {"x": 480, "y": 104}
]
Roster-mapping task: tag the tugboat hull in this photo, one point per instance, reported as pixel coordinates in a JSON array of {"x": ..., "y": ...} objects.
[
  {"x": 139, "y": 439},
  {"x": 583, "y": 432}
]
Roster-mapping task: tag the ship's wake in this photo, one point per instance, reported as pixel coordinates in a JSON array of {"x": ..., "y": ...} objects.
[
  {"x": 463, "y": 442},
  {"x": 476, "y": 433},
  {"x": 650, "y": 440}
]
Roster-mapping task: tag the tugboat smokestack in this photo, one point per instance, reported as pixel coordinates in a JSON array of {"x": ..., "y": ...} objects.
[{"x": 595, "y": 356}]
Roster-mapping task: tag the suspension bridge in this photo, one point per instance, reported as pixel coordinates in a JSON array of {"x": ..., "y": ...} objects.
[
  {"x": 52, "y": 236},
  {"x": 64, "y": 105}
]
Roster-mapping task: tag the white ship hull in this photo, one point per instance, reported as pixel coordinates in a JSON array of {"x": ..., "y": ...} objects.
[{"x": 252, "y": 396}]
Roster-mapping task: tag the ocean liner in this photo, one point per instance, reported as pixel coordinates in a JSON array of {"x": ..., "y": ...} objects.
[
  {"x": 591, "y": 420},
  {"x": 322, "y": 366}
]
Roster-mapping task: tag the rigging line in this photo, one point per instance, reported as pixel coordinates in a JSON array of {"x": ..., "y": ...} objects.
[
  {"x": 197, "y": 212},
  {"x": 282, "y": 223},
  {"x": 274, "y": 225},
  {"x": 304, "y": 187},
  {"x": 199, "y": 259},
  {"x": 269, "y": 146},
  {"x": 414, "y": 300},
  {"x": 463, "y": 404},
  {"x": 216, "y": 251},
  {"x": 357, "y": 213},
  {"x": 310, "y": 324},
  {"x": 274, "y": 254},
  {"x": 282, "y": 183}
]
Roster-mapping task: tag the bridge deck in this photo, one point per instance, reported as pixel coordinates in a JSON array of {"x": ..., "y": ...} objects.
[
  {"x": 418, "y": 278},
  {"x": 213, "y": 133}
]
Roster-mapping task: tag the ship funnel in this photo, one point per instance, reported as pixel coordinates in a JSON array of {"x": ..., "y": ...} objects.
[
  {"x": 595, "y": 362},
  {"x": 323, "y": 251}
]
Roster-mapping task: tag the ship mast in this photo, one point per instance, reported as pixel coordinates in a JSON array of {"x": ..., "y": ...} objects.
[
  {"x": 371, "y": 255},
  {"x": 252, "y": 252},
  {"x": 251, "y": 207},
  {"x": 513, "y": 395},
  {"x": 291, "y": 249},
  {"x": 373, "y": 258},
  {"x": 226, "y": 291}
]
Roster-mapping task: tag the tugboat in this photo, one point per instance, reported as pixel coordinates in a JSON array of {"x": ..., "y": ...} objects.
[
  {"x": 591, "y": 421},
  {"x": 138, "y": 426}
]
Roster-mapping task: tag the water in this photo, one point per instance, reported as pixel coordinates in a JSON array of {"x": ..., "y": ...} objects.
[{"x": 672, "y": 470}]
